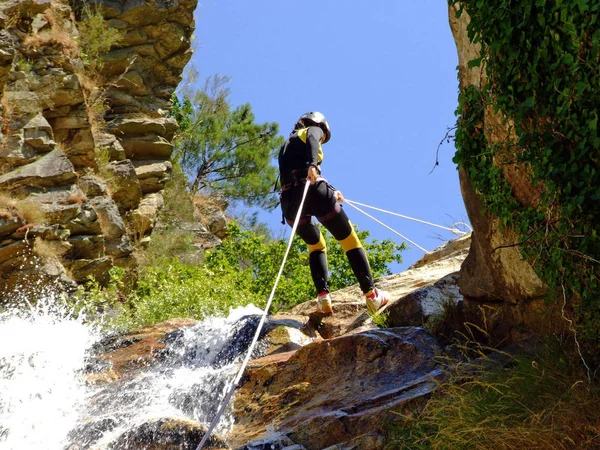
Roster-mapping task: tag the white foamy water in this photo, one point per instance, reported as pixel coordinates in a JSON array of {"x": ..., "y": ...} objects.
[
  {"x": 42, "y": 352},
  {"x": 46, "y": 404}
]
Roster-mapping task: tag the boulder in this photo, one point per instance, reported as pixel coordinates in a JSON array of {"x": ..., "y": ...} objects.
[
  {"x": 142, "y": 220},
  {"x": 124, "y": 184},
  {"x": 92, "y": 186},
  {"x": 343, "y": 387},
  {"x": 150, "y": 146},
  {"x": 59, "y": 205},
  {"x": 120, "y": 357},
  {"x": 38, "y": 134},
  {"x": 85, "y": 247},
  {"x": 52, "y": 169},
  {"x": 108, "y": 215},
  {"x": 167, "y": 434},
  {"x": 128, "y": 126},
  {"x": 111, "y": 145},
  {"x": 81, "y": 270},
  {"x": 427, "y": 305},
  {"x": 153, "y": 175}
]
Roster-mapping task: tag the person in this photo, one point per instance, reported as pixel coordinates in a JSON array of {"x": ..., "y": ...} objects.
[{"x": 300, "y": 160}]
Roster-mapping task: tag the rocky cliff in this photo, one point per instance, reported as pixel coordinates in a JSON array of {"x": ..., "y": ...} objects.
[
  {"x": 501, "y": 289},
  {"x": 85, "y": 139}
]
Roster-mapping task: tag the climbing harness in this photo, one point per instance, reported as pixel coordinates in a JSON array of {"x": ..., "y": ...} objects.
[
  {"x": 454, "y": 230},
  {"x": 258, "y": 329}
]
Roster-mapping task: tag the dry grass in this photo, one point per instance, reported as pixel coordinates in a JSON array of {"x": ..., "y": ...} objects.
[
  {"x": 73, "y": 199},
  {"x": 7, "y": 208},
  {"x": 539, "y": 403},
  {"x": 30, "y": 211},
  {"x": 56, "y": 35},
  {"x": 49, "y": 249},
  {"x": 27, "y": 210}
]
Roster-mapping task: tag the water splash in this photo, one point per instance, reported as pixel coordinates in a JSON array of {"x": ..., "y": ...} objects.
[
  {"x": 41, "y": 391},
  {"x": 45, "y": 401},
  {"x": 189, "y": 384}
]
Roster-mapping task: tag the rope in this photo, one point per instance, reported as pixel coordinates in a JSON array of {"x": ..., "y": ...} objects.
[
  {"x": 389, "y": 228},
  {"x": 453, "y": 230},
  {"x": 258, "y": 329}
]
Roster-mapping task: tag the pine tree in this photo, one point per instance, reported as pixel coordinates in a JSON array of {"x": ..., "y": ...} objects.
[{"x": 223, "y": 150}]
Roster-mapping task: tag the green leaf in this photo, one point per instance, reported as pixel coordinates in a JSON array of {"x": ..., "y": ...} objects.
[{"x": 475, "y": 62}]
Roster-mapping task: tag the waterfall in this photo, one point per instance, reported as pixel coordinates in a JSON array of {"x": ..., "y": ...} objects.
[{"x": 47, "y": 403}]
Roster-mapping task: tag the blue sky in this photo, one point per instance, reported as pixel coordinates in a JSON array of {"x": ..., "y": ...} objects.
[{"x": 382, "y": 72}]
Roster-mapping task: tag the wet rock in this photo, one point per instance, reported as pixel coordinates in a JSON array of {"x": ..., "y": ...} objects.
[
  {"x": 275, "y": 441},
  {"x": 89, "y": 433},
  {"x": 9, "y": 223},
  {"x": 167, "y": 434},
  {"x": 130, "y": 352}
]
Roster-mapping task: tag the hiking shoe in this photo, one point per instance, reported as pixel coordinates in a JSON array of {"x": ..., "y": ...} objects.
[
  {"x": 324, "y": 303},
  {"x": 377, "y": 300}
]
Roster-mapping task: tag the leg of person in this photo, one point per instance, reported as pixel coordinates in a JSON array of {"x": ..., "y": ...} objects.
[
  {"x": 315, "y": 241},
  {"x": 338, "y": 224}
]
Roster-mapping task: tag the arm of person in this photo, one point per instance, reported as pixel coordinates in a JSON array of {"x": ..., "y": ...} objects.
[{"x": 314, "y": 136}]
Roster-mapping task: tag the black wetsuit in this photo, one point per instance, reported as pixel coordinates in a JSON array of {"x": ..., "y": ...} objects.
[{"x": 301, "y": 150}]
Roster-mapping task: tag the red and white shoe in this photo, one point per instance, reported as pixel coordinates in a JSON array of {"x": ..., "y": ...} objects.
[
  {"x": 377, "y": 300},
  {"x": 324, "y": 303}
]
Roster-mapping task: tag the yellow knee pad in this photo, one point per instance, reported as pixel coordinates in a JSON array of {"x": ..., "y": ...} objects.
[
  {"x": 319, "y": 246},
  {"x": 351, "y": 242}
]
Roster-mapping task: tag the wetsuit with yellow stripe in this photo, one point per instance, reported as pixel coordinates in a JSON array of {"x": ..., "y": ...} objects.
[{"x": 301, "y": 150}]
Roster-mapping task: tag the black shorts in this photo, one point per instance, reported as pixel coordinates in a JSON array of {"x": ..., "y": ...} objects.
[{"x": 320, "y": 202}]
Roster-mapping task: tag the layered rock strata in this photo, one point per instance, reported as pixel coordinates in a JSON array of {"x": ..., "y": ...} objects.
[{"x": 84, "y": 154}]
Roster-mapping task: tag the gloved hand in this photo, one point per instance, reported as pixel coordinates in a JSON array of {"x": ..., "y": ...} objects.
[{"x": 313, "y": 174}]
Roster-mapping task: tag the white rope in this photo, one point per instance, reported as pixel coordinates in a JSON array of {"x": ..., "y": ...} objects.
[
  {"x": 389, "y": 228},
  {"x": 453, "y": 230},
  {"x": 258, "y": 329}
]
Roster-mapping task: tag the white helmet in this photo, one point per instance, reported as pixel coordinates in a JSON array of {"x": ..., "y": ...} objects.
[{"x": 314, "y": 118}]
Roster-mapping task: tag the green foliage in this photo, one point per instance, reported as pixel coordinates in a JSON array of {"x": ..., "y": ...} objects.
[
  {"x": 380, "y": 318},
  {"x": 538, "y": 403},
  {"x": 172, "y": 289},
  {"x": 166, "y": 290},
  {"x": 95, "y": 38},
  {"x": 97, "y": 303},
  {"x": 256, "y": 260},
  {"x": 541, "y": 61},
  {"x": 222, "y": 149}
]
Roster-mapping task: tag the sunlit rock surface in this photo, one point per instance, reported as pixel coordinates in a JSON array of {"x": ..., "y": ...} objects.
[{"x": 81, "y": 150}]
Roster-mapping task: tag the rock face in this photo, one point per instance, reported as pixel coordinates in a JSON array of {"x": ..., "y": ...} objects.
[
  {"x": 501, "y": 289},
  {"x": 344, "y": 387},
  {"x": 315, "y": 383},
  {"x": 85, "y": 147}
]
